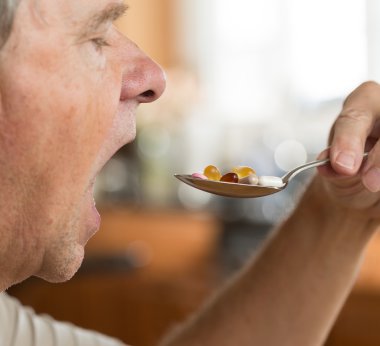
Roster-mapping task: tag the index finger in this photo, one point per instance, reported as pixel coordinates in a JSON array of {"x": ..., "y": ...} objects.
[{"x": 351, "y": 129}]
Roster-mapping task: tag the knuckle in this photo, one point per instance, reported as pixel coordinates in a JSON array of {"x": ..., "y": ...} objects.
[
  {"x": 355, "y": 115},
  {"x": 369, "y": 85},
  {"x": 366, "y": 90}
]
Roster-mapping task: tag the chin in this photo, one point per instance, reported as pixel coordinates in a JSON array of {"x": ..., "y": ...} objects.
[{"x": 62, "y": 267}]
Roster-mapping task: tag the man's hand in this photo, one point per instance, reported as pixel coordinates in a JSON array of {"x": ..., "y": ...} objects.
[{"x": 352, "y": 181}]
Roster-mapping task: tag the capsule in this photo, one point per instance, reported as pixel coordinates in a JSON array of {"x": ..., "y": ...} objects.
[
  {"x": 230, "y": 178},
  {"x": 212, "y": 173},
  {"x": 251, "y": 179},
  {"x": 243, "y": 171},
  {"x": 269, "y": 181}
]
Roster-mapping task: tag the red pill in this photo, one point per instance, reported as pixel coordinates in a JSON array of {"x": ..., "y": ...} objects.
[{"x": 230, "y": 178}]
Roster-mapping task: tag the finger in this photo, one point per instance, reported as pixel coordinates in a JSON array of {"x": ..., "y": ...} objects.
[
  {"x": 351, "y": 130},
  {"x": 326, "y": 170},
  {"x": 371, "y": 170},
  {"x": 375, "y": 133},
  {"x": 354, "y": 124}
]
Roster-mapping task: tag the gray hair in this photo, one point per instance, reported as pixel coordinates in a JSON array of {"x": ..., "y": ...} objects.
[{"x": 7, "y": 12}]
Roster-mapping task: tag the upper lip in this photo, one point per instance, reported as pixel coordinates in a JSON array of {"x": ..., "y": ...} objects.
[
  {"x": 108, "y": 157},
  {"x": 119, "y": 144}
]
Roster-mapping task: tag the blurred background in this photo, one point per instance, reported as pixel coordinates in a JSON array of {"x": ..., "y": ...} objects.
[{"x": 249, "y": 82}]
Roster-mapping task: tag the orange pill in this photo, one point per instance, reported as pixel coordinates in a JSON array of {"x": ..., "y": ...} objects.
[
  {"x": 243, "y": 171},
  {"x": 212, "y": 173}
]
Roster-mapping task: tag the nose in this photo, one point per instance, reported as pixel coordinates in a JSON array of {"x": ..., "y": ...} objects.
[{"x": 143, "y": 79}]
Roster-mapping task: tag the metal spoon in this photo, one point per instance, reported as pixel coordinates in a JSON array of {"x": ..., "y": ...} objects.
[{"x": 245, "y": 190}]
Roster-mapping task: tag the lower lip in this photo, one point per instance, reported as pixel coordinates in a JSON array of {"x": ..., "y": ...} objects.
[
  {"x": 96, "y": 215},
  {"x": 93, "y": 219}
]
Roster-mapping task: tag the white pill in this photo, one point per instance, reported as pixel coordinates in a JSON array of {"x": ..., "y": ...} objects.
[{"x": 269, "y": 181}]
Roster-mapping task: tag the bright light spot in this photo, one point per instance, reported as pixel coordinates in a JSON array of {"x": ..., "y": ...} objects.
[
  {"x": 232, "y": 22},
  {"x": 242, "y": 64},
  {"x": 328, "y": 57},
  {"x": 290, "y": 154}
]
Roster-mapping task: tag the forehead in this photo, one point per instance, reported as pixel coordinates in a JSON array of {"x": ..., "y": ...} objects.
[{"x": 68, "y": 10}]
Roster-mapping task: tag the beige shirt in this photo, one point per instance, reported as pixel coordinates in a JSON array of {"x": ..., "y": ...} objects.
[{"x": 20, "y": 326}]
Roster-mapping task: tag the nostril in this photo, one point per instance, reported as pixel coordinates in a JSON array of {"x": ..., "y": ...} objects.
[
  {"x": 144, "y": 83},
  {"x": 149, "y": 94}
]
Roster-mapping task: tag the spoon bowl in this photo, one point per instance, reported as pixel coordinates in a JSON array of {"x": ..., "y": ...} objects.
[
  {"x": 228, "y": 189},
  {"x": 245, "y": 190}
]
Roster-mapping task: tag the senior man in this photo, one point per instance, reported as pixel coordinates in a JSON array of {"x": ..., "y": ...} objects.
[{"x": 69, "y": 88}]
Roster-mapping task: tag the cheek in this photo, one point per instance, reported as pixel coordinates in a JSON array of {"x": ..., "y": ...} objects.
[
  {"x": 93, "y": 59},
  {"x": 61, "y": 136},
  {"x": 61, "y": 116}
]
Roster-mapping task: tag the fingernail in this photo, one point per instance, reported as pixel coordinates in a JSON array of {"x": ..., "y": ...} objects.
[
  {"x": 346, "y": 160},
  {"x": 371, "y": 179}
]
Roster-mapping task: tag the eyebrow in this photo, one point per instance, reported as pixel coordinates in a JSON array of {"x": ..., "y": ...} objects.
[{"x": 109, "y": 14}]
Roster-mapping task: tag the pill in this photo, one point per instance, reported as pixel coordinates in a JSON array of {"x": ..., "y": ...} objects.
[
  {"x": 243, "y": 171},
  {"x": 251, "y": 179},
  {"x": 212, "y": 173},
  {"x": 199, "y": 176},
  {"x": 230, "y": 178},
  {"x": 269, "y": 181}
]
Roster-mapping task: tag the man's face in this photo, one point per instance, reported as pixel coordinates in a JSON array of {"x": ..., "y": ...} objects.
[{"x": 69, "y": 88}]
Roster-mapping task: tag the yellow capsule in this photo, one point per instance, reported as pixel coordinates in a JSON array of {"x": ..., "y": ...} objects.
[
  {"x": 243, "y": 171},
  {"x": 212, "y": 173}
]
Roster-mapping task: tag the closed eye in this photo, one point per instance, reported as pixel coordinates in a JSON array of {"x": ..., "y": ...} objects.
[{"x": 100, "y": 42}]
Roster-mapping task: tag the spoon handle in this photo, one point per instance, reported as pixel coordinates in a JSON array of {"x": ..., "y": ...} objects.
[{"x": 291, "y": 174}]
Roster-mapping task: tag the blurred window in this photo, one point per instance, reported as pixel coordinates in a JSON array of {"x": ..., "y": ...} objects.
[{"x": 262, "y": 58}]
